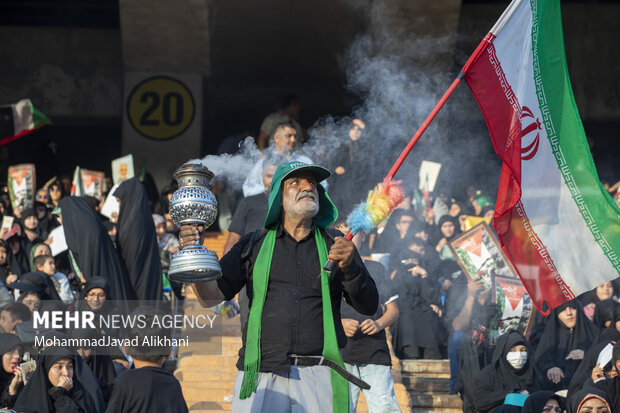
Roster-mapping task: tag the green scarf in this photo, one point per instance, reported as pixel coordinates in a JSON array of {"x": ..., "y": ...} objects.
[{"x": 260, "y": 280}]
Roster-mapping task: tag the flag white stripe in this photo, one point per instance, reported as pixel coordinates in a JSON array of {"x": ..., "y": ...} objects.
[
  {"x": 22, "y": 116},
  {"x": 547, "y": 201}
]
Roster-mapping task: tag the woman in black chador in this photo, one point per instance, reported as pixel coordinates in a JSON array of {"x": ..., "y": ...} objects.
[
  {"x": 137, "y": 240},
  {"x": 418, "y": 332},
  {"x": 54, "y": 388},
  {"x": 92, "y": 249},
  {"x": 10, "y": 375},
  {"x": 568, "y": 335},
  {"x": 510, "y": 371}
]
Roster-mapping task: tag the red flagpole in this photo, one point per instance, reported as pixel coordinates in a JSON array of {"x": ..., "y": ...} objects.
[{"x": 472, "y": 59}]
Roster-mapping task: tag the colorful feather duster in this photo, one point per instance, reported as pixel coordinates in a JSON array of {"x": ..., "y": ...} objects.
[{"x": 379, "y": 205}]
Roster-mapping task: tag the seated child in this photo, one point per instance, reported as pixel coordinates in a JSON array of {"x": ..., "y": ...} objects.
[{"x": 46, "y": 264}]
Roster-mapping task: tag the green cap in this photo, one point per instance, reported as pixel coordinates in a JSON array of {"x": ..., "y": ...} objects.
[
  {"x": 327, "y": 214},
  {"x": 484, "y": 201}
]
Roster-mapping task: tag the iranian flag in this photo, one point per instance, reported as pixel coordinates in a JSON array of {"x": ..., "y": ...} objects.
[
  {"x": 19, "y": 119},
  {"x": 556, "y": 222}
]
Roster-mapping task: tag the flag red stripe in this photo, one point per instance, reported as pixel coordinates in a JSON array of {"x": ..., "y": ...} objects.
[
  {"x": 502, "y": 114},
  {"x": 19, "y": 135}
]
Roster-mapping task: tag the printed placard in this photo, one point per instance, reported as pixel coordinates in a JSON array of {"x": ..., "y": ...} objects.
[
  {"x": 122, "y": 169},
  {"x": 22, "y": 184},
  {"x": 515, "y": 308},
  {"x": 92, "y": 182},
  {"x": 28, "y": 369},
  {"x": 429, "y": 172}
]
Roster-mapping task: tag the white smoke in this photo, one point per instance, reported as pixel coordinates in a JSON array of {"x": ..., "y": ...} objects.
[{"x": 398, "y": 76}]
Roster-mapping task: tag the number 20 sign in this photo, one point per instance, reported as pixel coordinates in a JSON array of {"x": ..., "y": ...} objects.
[{"x": 160, "y": 108}]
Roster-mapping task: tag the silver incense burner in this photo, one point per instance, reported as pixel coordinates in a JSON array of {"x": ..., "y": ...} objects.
[{"x": 193, "y": 203}]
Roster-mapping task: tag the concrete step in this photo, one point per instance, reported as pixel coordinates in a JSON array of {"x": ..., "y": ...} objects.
[
  {"x": 197, "y": 375},
  {"x": 427, "y": 384},
  {"x": 199, "y": 391},
  {"x": 209, "y": 363},
  {"x": 437, "y": 410},
  {"x": 426, "y": 368},
  {"x": 208, "y": 405},
  {"x": 209, "y": 411},
  {"x": 210, "y": 384},
  {"x": 431, "y": 401}
]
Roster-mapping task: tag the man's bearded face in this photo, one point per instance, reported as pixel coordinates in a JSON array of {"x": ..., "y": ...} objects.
[{"x": 300, "y": 197}]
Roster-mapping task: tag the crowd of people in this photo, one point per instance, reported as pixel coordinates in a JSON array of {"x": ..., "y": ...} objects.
[
  {"x": 403, "y": 275},
  {"x": 106, "y": 263}
]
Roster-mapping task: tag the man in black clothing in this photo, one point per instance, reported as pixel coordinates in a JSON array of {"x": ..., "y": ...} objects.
[
  {"x": 468, "y": 312},
  {"x": 251, "y": 211},
  {"x": 249, "y": 217},
  {"x": 293, "y": 331}
]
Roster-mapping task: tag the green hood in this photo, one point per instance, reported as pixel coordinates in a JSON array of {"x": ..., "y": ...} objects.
[{"x": 327, "y": 210}]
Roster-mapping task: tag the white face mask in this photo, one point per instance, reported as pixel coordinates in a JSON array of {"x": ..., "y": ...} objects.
[{"x": 517, "y": 359}]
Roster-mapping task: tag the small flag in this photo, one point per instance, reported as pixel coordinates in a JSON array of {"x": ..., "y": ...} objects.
[
  {"x": 77, "y": 187},
  {"x": 19, "y": 119}
]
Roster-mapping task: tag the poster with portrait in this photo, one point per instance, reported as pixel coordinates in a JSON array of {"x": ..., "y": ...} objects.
[
  {"x": 480, "y": 256},
  {"x": 28, "y": 369},
  {"x": 92, "y": 183},
  {"x": 7, "y": 224},
  {"x": 22, "y": 184},
  {"x": 122, "y": 169}
]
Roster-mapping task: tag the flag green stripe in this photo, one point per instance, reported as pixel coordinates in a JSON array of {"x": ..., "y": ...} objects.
[
  {"x": 565, "y": 130},
  {"x": 38, "y": 118}
]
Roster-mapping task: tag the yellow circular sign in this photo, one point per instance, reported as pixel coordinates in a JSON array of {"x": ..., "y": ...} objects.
[{"x": 160, "y": 108}]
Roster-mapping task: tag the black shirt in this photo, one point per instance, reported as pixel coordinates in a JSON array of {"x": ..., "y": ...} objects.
[
  {"x": 364, "y": 348},
  {"x": 147, "y": 389},
  {"x": 250, "y": 214},
  {"x": 292, "y": 319}
]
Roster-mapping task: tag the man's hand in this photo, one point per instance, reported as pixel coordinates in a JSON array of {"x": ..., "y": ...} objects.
[
  {"x": 555, "y": 374},
  {"x": 342, "y": 252},
  {"x": 597, "y": 373},
  {"x": 350, "y": 326},
  {"x": 436, "y": 310},
  {"x": 190, "y": 234},
  {"x": 442, "y": 243},
  {"x": 473, "y": 287},
  {"x": 417, "y": 270},
  {"x": 575, "y": 355},
  {"x": 370, "y": 327}
]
